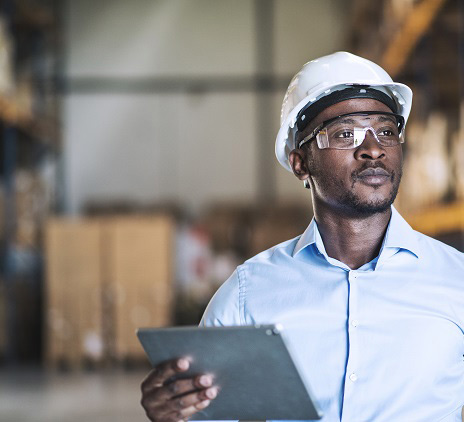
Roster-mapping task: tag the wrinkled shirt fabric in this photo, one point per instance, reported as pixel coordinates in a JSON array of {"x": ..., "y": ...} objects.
[{"x": 382, "y": 343}]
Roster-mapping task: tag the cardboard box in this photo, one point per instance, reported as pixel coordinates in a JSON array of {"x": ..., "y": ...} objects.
[
  {"x": 73, "y": 292},
  {"x": 106, "y": 277},
  {"x": 138, "y": 253}
]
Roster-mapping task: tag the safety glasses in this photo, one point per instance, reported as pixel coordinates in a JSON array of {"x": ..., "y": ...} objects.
[{"x": 348, "y": 131}]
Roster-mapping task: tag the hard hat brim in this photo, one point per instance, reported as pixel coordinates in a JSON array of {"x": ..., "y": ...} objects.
[{"x": 285, "y": 141}]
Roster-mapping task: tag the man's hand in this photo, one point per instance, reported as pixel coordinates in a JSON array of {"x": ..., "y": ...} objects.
[{"x": 174, "y": 401}]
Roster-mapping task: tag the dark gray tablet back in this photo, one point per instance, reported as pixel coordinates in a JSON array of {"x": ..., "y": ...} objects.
[{"x": 257, "y": 377}]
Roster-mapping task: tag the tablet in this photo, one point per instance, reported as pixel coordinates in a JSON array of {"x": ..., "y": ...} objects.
[{"x": 252, "y": 365}]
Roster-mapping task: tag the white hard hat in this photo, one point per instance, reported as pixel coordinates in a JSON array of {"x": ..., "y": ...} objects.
[{"x": 327, "y": 77}]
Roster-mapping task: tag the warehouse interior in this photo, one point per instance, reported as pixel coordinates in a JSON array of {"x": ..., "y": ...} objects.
[{"x": 137, "y": 168}]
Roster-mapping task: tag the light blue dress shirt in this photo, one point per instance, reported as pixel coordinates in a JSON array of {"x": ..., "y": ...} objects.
[{"x": 383, "y": 343}]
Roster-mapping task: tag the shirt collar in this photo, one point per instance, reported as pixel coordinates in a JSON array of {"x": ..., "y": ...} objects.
[
  {"x": 399, "y": 235},
  {"x": 308, "y": 237}
]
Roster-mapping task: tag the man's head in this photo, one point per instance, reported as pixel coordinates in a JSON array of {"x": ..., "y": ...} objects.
[
  {"x": 358, "y": 180},
  {"x": 342, "y": 124}
]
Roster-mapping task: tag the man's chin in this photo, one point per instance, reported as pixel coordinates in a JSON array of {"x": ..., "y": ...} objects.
[{"x": 365, "y": 207}]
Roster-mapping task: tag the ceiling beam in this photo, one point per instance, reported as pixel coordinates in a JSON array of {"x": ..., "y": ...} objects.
[{"x": 405, "y": 40}]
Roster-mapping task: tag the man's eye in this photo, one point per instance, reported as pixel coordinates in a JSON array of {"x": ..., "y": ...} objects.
[
  {"x": 344, "y": 134},
  {"x": 386, "y": 132}
]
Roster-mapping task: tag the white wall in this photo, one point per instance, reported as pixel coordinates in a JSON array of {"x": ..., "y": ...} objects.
[{"x": 193, "y": 148}]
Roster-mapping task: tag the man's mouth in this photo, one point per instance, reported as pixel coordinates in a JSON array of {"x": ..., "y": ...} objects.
[{"x": 374, "y": 176}]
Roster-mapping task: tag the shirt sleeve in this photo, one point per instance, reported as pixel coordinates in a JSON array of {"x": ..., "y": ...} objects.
[{"x": 224, "y": 307}]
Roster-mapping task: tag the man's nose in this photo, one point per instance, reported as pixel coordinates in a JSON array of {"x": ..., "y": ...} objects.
[{"x": 370, "y": 149}]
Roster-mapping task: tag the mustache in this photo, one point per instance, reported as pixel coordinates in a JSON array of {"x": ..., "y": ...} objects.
[{"x": 368, "y": 169}]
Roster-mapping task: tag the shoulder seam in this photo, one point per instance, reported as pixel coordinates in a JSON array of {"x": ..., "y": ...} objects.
[
  {"x": 274, "y": 249},
  {"x": 241, "y": 294},
  {"x": 440, "y": 243}
]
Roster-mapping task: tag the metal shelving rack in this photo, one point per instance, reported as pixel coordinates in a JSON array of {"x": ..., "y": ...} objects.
[
  {"x": 421, "y": 43},
  {"x": 29, "y": 135}
]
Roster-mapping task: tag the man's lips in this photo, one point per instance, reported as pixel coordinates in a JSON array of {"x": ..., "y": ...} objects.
[
  {"x": 374, "y": 176},
  {"x": 371, "y": 171}
]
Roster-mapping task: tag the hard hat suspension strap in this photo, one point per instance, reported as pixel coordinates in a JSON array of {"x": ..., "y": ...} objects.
[{"x": 312, "y": 109}]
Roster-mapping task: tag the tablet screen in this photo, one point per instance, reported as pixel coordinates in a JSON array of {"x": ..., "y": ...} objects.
[{"x": 252, "y": 366}]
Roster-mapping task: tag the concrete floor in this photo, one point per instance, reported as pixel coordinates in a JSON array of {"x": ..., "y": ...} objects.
[
  {"x": 40, "y": 396},
  {"x": 34, "y": 395}
]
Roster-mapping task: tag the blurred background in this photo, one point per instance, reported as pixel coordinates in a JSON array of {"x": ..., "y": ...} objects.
[{"x": 137, "y": 168}]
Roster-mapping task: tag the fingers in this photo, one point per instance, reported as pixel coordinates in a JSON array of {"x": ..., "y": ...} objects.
[
  {"x": 180, "y": 387},
  {"x": 162, "y": 373},
  {"x": 191, "y": 410},
  {"x": 193, "y": 399},
  {"x": 184, "y": 414},
  {"x": 192, "y": 403},
  {"x": 181, "y": 408},
  {"x": 172, "y": 401}
]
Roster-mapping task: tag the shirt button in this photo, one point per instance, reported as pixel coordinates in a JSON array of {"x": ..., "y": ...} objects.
[
  {"x": 354, "y": 322},
  {"x": 353, "y": 377}
]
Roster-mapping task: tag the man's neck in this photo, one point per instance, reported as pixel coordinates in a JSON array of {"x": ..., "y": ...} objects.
[{"x": 351, "y": 240}]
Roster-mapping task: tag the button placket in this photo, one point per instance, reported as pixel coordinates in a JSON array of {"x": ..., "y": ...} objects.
[{"x": 353, "y": 353}]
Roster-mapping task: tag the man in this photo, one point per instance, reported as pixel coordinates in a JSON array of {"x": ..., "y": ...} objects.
[{"x": 374, "y": 309}]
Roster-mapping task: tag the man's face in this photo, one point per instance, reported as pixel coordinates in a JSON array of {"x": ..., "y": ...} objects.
[{"x": 342, "y": 179}]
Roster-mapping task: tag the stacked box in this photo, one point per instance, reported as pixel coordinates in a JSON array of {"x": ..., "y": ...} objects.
[
  {"x": 73, "y": 292},
  {"x": 105, "y": 278},
  {"x": 138, "y": 255}
]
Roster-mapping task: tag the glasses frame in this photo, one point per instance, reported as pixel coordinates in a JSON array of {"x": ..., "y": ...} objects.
[{"x": 325, "y": 123}]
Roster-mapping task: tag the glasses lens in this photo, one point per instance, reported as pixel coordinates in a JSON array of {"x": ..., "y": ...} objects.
[
  {"x": 322, "y": 139},
  {"x": 350, "y": 131}
]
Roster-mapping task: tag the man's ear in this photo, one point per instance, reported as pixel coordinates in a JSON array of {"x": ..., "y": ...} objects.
[{"x": 298, "y": 161}]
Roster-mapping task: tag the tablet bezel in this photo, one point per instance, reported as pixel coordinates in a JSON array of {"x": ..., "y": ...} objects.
[{"x": 252, "y": 365}]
